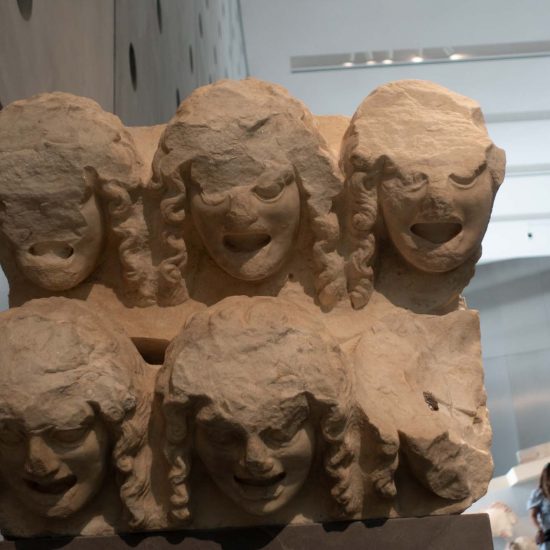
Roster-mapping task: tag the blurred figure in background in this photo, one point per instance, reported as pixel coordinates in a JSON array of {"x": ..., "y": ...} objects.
[{"x": 539, "y": 508}]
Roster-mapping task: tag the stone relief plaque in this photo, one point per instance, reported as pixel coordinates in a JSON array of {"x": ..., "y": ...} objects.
[{"x": 250, "y": 315}]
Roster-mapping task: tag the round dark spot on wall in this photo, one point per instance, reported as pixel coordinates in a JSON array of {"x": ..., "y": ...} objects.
[
  {"x": 133, "y": 66},
  {"x": 215, "y": 55},
  {"x": 25, "y": 8},
  {"x": 200, "y": 25},
  {"x": 159, "y": 15},
  {"x": 191, "y": 63},
  {"x": 529, "y": 235},
  {"x": 178, "y": 97}
]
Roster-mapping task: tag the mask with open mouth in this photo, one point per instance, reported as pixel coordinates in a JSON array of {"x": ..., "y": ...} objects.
[
  {"x": 54, "y": 458},
  {"x": 248, "y": 220},
  {"x": 259, "y": 465},
  {"x": 65, "y": 243},
  {"x": 436, "y": 213}
]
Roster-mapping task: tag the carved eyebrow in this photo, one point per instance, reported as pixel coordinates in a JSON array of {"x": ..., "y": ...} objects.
[
  {"x": 84, "y": 422},
  {"x": 293, "y": 422},
  {"x": 459, "y": 178},
  {"x": 213, "y": 421}
]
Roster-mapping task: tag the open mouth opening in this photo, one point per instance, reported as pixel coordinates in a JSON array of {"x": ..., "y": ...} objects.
[
  {"x": 52, "y": 487},
  {"x": 246, "y": 242},
  {"x": 260, "y": 482},
  {"x": 52, "y": 248},
  {"x": 436, "y": 232}
]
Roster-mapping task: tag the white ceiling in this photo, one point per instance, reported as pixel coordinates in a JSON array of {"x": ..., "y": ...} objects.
[{"x": 276, "y": 30}]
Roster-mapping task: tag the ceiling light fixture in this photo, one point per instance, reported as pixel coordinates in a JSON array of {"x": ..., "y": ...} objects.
[{"x": 412, "y": 56}]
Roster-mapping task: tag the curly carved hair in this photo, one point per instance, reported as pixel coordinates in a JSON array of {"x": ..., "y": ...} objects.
[
  {"x": 240, "y": 346},
  {"x": 67, "y": 147},
  {"x": 71, "y": 354},
  {"x": 237, "y": 119},
  {"x": 377, "y": 139}
]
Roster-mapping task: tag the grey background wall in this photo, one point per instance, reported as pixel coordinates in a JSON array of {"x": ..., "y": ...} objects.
[
  {"x": 513, "y": 299},
  {"x": 176, "y": 46},
  {"x": 84, "y": 47}
]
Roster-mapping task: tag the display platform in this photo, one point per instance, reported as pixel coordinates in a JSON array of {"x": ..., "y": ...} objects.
[{"x": 471, "y": 531}]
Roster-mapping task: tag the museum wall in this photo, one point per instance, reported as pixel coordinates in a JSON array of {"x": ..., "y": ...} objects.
[{"x": 513, "y": 299}]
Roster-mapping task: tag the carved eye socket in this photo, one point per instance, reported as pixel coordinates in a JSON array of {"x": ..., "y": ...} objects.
[
  {"x": 214, "y": 199},
  {"x": 70, "y": 436},
  {"x": 417, "y": 181},
  {"x": 470, "y": 179},
  {"x": 414, "y": 182},
  {"x": 269, "y": 192},
  {"x": 391, "y": 177},
  {"x": 273, "y": 190},
  {"x": 11, "y": 436},
  {"x": 277, "y": 438},
  {"x": 220, "y": 435}
]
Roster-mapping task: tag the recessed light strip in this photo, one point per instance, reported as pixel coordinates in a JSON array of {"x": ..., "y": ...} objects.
[{"x": 385, "y": 58}]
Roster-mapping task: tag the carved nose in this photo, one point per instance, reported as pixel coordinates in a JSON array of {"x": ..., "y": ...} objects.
[
  {"x": 438, "y": 200},
  {"x": 57, "y": 249},
  {"x": 41, "y": 460},
  {"x": 241, "y": 214},
  {"x": 257, "y": 459}
]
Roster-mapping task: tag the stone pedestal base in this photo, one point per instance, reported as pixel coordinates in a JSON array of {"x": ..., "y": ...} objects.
[{"x": 431, "y": 533}]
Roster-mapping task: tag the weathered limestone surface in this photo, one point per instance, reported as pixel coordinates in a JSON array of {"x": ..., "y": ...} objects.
[{"x": 247, "y": 316}]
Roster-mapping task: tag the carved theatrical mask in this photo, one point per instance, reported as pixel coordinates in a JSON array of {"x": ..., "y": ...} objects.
[
  {"x": 57, "y": 153},
  {"x": 418, "y": 158},
  {"x": 53, "y": 454},
  {"x": 259, "y": 458},
  {"x": 56, "y": 238},
  {"x": 262, "y": 394},
  {"x": 437, "y": 213},
  {"x": 247, "y": 214},
  {"x": 72, "y": 413},
  {"x": 246, "y": 174}
]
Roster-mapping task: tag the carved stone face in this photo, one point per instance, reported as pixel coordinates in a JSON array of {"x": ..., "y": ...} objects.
[
  {"x": 259, "y": 461},
  {"x": 54, "y": 456},
  {"x": 248, "y": 219},
  {"x": 436, "y": 213},
  {"x": 57, "y": 241}
]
